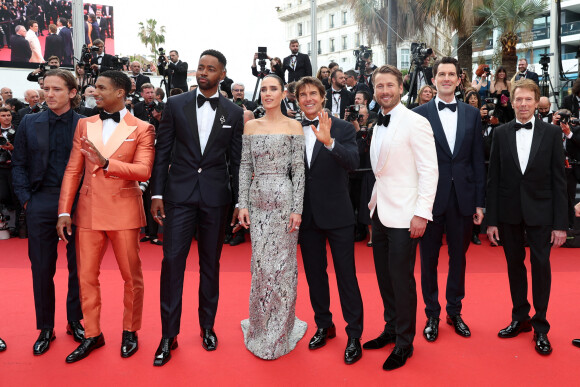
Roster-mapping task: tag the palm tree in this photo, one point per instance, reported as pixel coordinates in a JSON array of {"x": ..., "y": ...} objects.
[
  {"x": 372, "y": 17},
  {"x": 149, "y": 35},
  {"x": 508, "y": 17},
  {"x": 458, "y": 14}
]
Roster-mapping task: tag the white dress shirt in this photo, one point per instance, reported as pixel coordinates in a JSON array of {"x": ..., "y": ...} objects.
[
  {"x": 380, "y": 131},
  {"x": 524, "y": 144},
  {"x": 335, "y": 102},
  {"x": 205, "y": 119},
  {"x": 448, "y": 120},
  {"x": 310, "y": 140},
  {"x": 109, "y": 126}
]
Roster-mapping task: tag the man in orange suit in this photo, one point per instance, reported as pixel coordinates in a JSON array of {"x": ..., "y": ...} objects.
[{"x": 115, "y": 151}]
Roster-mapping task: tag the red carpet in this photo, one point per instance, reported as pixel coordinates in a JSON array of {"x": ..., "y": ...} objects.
[{"x": 481, "y": 360}]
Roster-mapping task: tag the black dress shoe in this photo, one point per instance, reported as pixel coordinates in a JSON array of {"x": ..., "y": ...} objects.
[
  {"x": 319, "y": 338},
  {"x": 163, "y": 353},
  {"x": 156, "y": 241},
  {"x": 543, "y": 346},
  {"x": 397, "y": 358},
  {"x": 129, "y": 344},
  {"x": 461, "y": 327},
  {"x": 227, "y": 239},
  {"x": 353, "y": 351},
  {"x": 76, "y": 330},
  {"x": 209, "y": 340},
  {"x": 431, "y": 330},
  {"x": 378, "y": 343},
  {"x": 475, "y": 239},
  {"x": 575, "y": 342},
  {"x": 145, "y": 239},
  {"x": 514, "y": 329},
  {"x": 43, "y": 342},
  {"x": 86, "y": 347},
  {"x": 2, "y": 345},
  {"x": 238, "y": 239}
]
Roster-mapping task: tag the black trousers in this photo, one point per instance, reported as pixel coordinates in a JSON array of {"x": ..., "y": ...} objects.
[
  {"x": 313, "y": 247},
  {"x": 179, "y": 226},
  {"x": 458, "y": 229},
  {"x": 394, "y": 253},
  {"x": 42, "y": 215},
  {"x": 538, "y": 238},
  {"x": 151, "y": 228},
  {"x": 571, "y": 182}
]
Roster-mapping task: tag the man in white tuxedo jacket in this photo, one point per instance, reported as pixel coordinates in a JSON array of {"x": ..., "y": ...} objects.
[{"x": 404, "y": 161}]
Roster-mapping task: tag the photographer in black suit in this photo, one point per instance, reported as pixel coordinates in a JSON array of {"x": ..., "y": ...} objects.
[
  {"x": 338, "y": 97},
  {"x": 524, "y": 73},
  {"x": 526, "y": 195},
  {"x": 297, "y": 64},
  {"x": 331, "y": 152},
  {"x": 101, "y": 61},
  {"x": 177, "y": 71},
  {"x": 139, "y": 78}
]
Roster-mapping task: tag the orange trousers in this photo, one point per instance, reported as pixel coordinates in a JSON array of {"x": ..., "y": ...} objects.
[{"x": 91, "y": 246}]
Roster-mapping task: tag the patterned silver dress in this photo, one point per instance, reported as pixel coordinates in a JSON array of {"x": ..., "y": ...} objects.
[{"x": 277, "y": 189}]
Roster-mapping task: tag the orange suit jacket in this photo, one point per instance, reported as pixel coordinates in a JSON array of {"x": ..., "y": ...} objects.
[{"x": 112, "y": 199}]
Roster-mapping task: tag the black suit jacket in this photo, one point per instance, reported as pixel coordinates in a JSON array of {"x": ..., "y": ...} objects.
[
  {"x": 106, "y": 62},
  {"x": 30, "y": 156},
  {"x": 54, "y": 45},
  {"x": 326, "y": 196},
  {"x": 140, "y": 80},
  {"x": 178, "y": 144},
  {"x": 572, "y": 146},
  {"x": 303, "y": 67},
  {"x": 529, "y": 75},
  {"x": 66, "y": 35},
  {"x": 465, "y": 167},
  {"x": 21, "y": 51},
  {"x": 178, "y": 73},
  {"x": 346, "y": 99},
  {"x": 536, "y": 196},
  {"x": 570, "y": 102}
]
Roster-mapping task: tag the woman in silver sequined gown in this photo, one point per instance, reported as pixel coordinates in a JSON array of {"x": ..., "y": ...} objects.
[{"x": 271, "y": 205}]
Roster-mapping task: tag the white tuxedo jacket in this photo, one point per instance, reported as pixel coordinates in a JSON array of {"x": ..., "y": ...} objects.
[{"x": 405, "y": 167}]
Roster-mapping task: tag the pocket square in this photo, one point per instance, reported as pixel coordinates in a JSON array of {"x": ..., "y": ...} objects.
[
  {"x": 130, "y": 139},
  {"x": 226, "y": 126}
]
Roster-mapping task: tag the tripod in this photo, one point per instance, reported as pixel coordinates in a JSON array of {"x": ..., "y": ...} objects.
[
  {"x": 261, "y": 75},
  {"x": 413, "y": 82},
  {"x": 546, "y": 86}
]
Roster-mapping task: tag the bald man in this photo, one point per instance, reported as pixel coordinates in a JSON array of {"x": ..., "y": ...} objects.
[
  {"x": 139, "y": 78},
  {"x": 544, "y": 110}
]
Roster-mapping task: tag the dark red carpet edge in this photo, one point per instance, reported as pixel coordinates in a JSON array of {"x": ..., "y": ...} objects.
[{"x": 481, "y": 360}]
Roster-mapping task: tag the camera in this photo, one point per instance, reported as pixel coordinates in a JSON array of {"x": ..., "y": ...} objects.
[
  {"x": 487, "y": 70},
  {"x": 420, "y": 52},
  {"x": 362, "y": 55},
  {"x": 259, "y": 112},
  {"x": 161, "y": 60},
  {"x": 118, "y": 63},
  {"x": 545, "y": 61},
  {"x": 4, "y": 155},
  {"x": 353, "y": 113},
  {"x": 490, "y": 106},
  {"x": 566, "y": 118}
]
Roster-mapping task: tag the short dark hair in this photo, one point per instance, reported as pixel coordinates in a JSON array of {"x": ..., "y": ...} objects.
[
  {"x": 63, "y": 20},
  {"x": 350, "y": 73},
  {"x": 365, "y": 95},
  {"x": 31, "y": 23},
  {"x": 314, "y": 82},
  {"x": 471, "y": 94},
  {"x": 54, "y": 57},
  {"x": 294, "y": 41},
  {"x": 160, "y": 92},
  {"x": 215, "y": 53},
  {"x": 280, "y": 81},
  {"x": 175, "y": 51},
  {"x": 291, "y": 87},
  {"x": 446, "y": 60},
  {"x": 334, "y": 72},
  {"x": 175, "y": 91},
  {"x": 388, "y": 69},
  {"x": 332, "y": 64},
  {"x": 119, "y": 79},
  {"x": 14, "y": 102},
  {"x": 5, "y": 110}
]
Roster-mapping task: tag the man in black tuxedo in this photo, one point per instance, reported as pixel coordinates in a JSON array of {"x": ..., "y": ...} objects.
[
  {"x": 338, "y": 98},
  {"x": 331, "y": 152},
  {"x": 54, "y": 45},
  {"x": 524, "y": 73},
  {"x": 526, "y": 194},
  {"x": 139, "y": 78},
  {"x": 66, "y": 34},
  {"x": 544, "y": 110},
  {"x": 41, "y": 152},
  {"x": 289, "y": 106},
  {"x": 21, "y": 51},
  {"x": 297, "y": 64},
  {"x": 101, "y": 62},
  {"x": 199, "y": 130},
  {"x": 460, "y": 195},
  {"x": 177, "y": 71},
  {"x": 32, "y": 99},
  {"x": 103, "y": 24},
  {"x": 571, "y": 102}
]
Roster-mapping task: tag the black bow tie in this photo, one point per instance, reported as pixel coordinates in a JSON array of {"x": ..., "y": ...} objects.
[
  {"x": 294, "y": 55},
  {"x": 335, "y": 92},
  {"x": 201, "y": 99},
  {"x": 115, "y": 116},
  {"x": 384, "y": 120},
  {"x": 450, "y": 106},
  {"x": 54, "y": 118},
  {"x": 519, "y": 126},
  {"x": 308, "y": 123}
]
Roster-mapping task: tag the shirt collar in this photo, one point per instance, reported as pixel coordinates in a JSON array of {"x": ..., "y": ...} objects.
[
  {"x": 532, "y": 120},
  {"x": 197, "y": 92},
  {"x": 395, "y": 111}
]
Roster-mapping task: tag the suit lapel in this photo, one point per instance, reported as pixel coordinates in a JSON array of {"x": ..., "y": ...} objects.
[
  {"x": 511, "y": 139},
  {"x": 316, "y": 150},
  {"x": 460, "y": 132},
  {"x": 190, "y": 111},
  {"x": 438, "y": 132},
  {"x": 221, "y": 114},
  {"x": 120, "y": 134},
  {"x": 536, "y": 141},
  {"x": 42, "y": 136}
]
